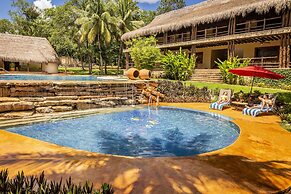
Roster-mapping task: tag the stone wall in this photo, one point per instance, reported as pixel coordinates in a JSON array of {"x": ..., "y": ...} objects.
[{"x": 46, "y": 97}]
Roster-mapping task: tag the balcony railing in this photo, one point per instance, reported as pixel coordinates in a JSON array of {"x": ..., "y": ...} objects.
[
  {"x": 266, "y": 62},
  {"x": 258, "y": 25},
  {"x": 244, "y": 27}
]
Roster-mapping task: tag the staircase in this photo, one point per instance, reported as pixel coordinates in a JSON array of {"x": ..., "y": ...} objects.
[{"x": 207, "y": 75}]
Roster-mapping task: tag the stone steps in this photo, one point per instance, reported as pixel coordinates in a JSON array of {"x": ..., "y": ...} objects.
[
  {"x": 5, "y": 123},
  {"x": 207, "y": 75}
]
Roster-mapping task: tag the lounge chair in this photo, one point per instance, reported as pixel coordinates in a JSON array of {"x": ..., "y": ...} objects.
[
  {"x": 258, "y": 110},
  {"x": 220, "y": 106}
]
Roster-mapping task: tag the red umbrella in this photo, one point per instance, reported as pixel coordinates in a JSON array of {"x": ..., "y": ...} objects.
[{"x": 256, "y": 71}]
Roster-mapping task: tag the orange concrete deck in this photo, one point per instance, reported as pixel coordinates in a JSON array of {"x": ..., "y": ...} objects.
[{"x": 258, "y": 162}]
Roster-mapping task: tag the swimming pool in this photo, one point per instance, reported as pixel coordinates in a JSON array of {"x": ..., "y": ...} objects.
[
  {"x": 59, "y": 77},
  {"x": 142, "y": 132}
]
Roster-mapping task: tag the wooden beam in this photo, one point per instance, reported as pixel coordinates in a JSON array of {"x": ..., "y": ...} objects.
[
  {"x": 165, "y": 38},
  {"x": 194, "y": 33},
  {"x": 288, "y": 52}
]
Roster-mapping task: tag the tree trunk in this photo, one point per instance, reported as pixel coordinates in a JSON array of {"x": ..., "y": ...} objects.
[
  {"x": 100, "y": 52},
  {"x": 119, "y": 56}
]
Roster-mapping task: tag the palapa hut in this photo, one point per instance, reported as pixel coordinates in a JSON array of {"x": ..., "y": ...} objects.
[
  {"x": 26, "y": 53},
  {"x": 257, "y": 29}
]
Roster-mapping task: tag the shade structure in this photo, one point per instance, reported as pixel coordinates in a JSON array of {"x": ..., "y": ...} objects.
[{"x": 256, "y": 71}]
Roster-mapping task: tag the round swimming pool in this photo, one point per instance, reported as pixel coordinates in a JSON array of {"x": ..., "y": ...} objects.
[{"x": 143, "y": 132}]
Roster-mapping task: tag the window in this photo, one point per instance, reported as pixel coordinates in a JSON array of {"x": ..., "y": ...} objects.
[
  {"x": 199, "y": 58},
  {"x": 267, "y": 51}
]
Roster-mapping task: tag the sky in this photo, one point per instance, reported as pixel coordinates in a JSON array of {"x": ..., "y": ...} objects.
[{"x": 5, "y": 5}]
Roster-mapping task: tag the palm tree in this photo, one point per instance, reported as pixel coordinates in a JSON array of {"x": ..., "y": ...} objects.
[
  {"x": 128, "y": 13},
  {"x": 96, "y": 22}
]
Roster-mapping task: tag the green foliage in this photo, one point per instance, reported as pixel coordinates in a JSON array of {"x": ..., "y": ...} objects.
[
  {"x": 228, "y": 64},
  {"x": 147, "y": 16},
  {"x": 144, "y": 52},
  {"x": 22, "y": 184},
  {"x": 282, "y": 83},
  {"x": 169, "y": 5},
  {"x": 180, "y": 92},
  {"x": 6, "y": 26},
  {"x": 178, "y": 66}
]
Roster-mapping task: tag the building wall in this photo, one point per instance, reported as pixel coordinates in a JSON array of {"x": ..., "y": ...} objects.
[
  {"x": 241, "y": 50},
  {"x": 50, "y": 68}
]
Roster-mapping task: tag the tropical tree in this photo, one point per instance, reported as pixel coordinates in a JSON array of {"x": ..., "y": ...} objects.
[
  {"x": 169, "y": 5},
  {"x": 128, "y": 19},
  {"x": 144, "y": 52},
  {"x": 95, "y": 24},
  {"x": 6, "y": 26}
]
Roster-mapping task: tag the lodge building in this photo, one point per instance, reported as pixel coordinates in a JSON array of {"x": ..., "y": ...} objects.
[{"x": 256, "y": 29}]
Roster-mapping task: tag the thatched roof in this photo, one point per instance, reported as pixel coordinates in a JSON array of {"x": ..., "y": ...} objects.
[
  {"x": 206, "y": 12},
  {"x": 26, "y": 49}
]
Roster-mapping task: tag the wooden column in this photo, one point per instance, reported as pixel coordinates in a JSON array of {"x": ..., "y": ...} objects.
[
  {"x": 126, "y": 60},
  {"x": 194, "y": 33},
  {"x": 231, "y": 49},
  {"x": 193, "y": 50},
  {"x": 288, "y": 52},
  {"x": 284, "y": 54},
  {"x": 165, "y": 38}
]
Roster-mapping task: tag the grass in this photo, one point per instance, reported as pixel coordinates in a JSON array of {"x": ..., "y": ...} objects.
[
  {"x": 236, "y": 88},
  {"x": 80, "y": 71}
]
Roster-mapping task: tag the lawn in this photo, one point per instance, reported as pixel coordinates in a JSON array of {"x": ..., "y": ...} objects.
[
  {"x": 236, "y": 88},
  {"x": 79, "y": 71}
]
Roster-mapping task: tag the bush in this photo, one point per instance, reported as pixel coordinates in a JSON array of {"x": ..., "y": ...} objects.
[
  {"x": 179, "y": 92},
  {"x": 282, "y": 83},
  {"x": 144, "y": 52},
  {"x": 231, "y": 63},
  {"x": 178, "y": 66},
  {"x": 22, "y": 184}
]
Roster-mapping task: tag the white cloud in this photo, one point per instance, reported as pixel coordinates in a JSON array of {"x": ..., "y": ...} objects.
[
  {"x": 147, "y": 1},
  {"x": 43, "y": 4}
]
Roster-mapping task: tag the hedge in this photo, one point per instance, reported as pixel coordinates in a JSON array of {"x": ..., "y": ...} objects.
[{"x": 282, "y": 83}]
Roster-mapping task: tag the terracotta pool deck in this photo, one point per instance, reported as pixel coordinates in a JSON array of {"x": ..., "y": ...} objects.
[{"x": 258, "y": 162}]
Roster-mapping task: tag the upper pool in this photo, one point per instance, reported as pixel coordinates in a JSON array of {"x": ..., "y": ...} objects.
[
  {"x": 58, "y": 77},
  {"x": 142, "y": 132}
]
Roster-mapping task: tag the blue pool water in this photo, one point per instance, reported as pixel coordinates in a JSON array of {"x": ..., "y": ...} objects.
[
  {"x": 58, "y": 77},
  {"x": 139, "y": 132}
]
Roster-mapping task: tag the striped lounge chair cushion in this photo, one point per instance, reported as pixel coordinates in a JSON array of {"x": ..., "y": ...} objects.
[
  {"x": 255, "y": 111},
  {"x": 218, "y": 106}
]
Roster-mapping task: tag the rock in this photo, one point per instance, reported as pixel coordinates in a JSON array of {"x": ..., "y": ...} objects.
[
  {"x": 47, "y": 109},
  {"x": 20, "y": 114},
  {"x": 84, "y": 106},
  {"x": 61, "y": 98},
  {"x": 62, "y": 108},
  {"x": 28, "y": 99},
  {"x": 7, "y": 99},
  {"x": 16, "y": 106},
  {"x": 129, "y": 102}
]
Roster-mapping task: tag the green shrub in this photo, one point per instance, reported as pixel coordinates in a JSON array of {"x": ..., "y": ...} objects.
[
  {"x": 179, "y": 92},
  {"x": 282, "y": 83},
  {"x": 22, "y": 184},
  {"x": 228, "y": 64},
  {"x": 144, "y": 52},
  {"x": 178, "y": 66}
]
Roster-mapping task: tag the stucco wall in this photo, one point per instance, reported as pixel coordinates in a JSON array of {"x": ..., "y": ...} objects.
[
  {"x": 50, "y": 68},
  {"x": 241, "y": 50}
]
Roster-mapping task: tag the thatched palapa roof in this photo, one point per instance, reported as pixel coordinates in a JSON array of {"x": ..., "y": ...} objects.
[
  {"x": 26, "y": 49},
  {"x": 206, "y": 12}
]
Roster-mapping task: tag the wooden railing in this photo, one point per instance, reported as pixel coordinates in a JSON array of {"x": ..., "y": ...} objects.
[
  {"x": 266, "y": 62},
  {"x": 258, "y": 25},
  {"x": 244, "y": 27}
]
